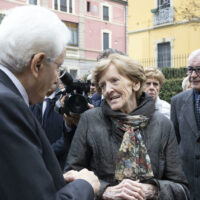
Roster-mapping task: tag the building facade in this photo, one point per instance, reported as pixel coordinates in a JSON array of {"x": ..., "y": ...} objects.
[
  {"x": 95, "y": 25},
  {"x": 160, "y": 34}
]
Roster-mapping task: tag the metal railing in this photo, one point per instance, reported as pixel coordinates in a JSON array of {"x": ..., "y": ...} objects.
[
  {"x": 163, "y": 15},
  {"x": 177, "y": 61}
]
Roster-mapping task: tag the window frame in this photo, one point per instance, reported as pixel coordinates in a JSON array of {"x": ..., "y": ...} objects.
[
  {"x": 67, "y": 6},
  {"x": 102, "y": 38},
  {"x": 88, "y": 6},
  {"x": 38, "y": 2},
  {"x": 164, "y": 40},
  {"x": 67, "y": 23},
  {"x": 109, "y": 12}
]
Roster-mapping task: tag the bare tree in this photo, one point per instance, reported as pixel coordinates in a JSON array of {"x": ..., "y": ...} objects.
[{"x": 189, "y": 10}]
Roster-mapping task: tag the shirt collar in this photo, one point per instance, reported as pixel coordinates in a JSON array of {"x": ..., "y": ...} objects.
[{"x": 17, "y": 83}]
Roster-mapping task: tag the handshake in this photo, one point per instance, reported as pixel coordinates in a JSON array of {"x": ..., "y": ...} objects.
[{"x": 86, "y": 175}]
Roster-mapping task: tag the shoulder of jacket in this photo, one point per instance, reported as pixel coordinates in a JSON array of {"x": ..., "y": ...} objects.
[
  {"x": 160, "y": 118},
  {"x": 93, "y": 111},
  {"x": 183, "y": 94}
]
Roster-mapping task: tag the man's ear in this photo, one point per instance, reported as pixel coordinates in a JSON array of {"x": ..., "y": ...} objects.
[
  {"x": 36, "y": 63},
  {"x": 136, "y": 86}
]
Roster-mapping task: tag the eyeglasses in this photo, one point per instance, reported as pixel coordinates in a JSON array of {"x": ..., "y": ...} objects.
[
  {"x": 196, "y": 69},
  {"x": 50, "y": 60}
]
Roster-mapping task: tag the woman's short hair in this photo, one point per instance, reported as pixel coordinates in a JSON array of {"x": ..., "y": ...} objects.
[
  {"x": 154, "y": 73},
  {"x": 28, "y": 30},
  {"x": 125, "y": 66}
]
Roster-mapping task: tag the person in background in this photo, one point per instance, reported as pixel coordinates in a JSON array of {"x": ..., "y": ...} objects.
[
  {"x": 94, "y": 97},
  {"x": 186, "y": 83},
  {"x": 53, "y": 124},
  {"x": 185, "y": 115},
  {"x": 129, "y": 145},
  {"x": 153, "y": 84},
  {"x": 32, "y": 46}
]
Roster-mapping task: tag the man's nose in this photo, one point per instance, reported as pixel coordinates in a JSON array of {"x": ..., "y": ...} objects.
[{"x": 194, "y": 73}]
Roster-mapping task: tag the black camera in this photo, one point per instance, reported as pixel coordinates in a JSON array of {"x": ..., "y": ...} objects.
[{"x": 77, "y": 91}]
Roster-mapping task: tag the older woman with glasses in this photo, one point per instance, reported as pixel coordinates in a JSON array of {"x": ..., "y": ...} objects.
[{"x": 130, "y": 146}]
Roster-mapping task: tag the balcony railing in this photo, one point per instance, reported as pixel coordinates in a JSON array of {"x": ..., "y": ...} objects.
[{"x": 163, "y": 16}]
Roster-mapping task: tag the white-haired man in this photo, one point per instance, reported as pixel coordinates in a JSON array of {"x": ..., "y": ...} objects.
[
  {"x": 32, "y": 46},
  {"x": 185, "y": 114}
]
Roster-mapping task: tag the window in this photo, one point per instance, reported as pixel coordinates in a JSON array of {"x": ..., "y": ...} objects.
[
  {"x": 105, "y": 41},
  {"x": 164, "y": 55},
  {"x": 64, "y": 5},
  {"x": 70, "y": 6},
  {"x": 73, "y": 27},
  {"x": 88, "y": 6},
  {"x": 56, "y": 4},
  {"x": 34, "y": 2},
  {"x": 163, "y": 3},
  {"x": 1, "y": 17},
  {"x": 105, "y": 13}
]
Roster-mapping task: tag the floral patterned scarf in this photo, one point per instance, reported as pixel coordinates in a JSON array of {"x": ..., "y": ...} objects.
[{"x": 132, "y": 160}]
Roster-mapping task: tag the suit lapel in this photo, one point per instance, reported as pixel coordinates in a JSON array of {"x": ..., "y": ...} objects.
[
  {"x": 189, "y": 113},
  {"x": 8, "y": 83}
]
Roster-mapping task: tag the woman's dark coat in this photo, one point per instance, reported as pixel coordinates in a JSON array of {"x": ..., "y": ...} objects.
[{"x": 96, "y": 144}]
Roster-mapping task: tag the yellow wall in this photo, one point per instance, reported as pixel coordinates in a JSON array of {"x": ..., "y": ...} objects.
[{"x": 143, "y": 35}]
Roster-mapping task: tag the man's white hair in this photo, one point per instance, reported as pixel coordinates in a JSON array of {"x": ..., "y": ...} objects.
[
  {"x": 28, "y": 30},
  {"x": 193, "y": 55}
]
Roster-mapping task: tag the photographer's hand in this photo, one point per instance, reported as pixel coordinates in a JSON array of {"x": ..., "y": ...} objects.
[
  {"x": 71, "y": 120},
  {"x": 90, "y": 106}
]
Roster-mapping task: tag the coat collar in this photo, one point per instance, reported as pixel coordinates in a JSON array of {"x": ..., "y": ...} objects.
[{"x": 8, "y": 83}]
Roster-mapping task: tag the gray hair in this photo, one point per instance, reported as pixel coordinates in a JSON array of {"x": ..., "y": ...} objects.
[
  {"x": 28, "y": 30},
  {"x": 194, "y": 54}
]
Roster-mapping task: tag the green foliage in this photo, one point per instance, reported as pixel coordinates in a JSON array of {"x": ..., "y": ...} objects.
[
  {"x": 170, "y": 88},
  {"x": 174, "y": 72}
]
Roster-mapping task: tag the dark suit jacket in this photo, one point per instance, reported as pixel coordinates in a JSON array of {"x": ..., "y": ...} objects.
[
  {"x": 28, "y": 167},
  {"x": 96, "y": 99},
  {"x": 55, "y": 129},
  {"x": 183, "y": 117}
]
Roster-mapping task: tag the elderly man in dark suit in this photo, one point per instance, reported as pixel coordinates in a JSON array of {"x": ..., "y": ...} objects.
[
  {"x": 32, "y": 47},
  {"x": 185, "y": 114}
]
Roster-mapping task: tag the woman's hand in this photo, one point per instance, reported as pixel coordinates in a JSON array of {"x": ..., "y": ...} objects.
[{"x": 130, "y": 190}]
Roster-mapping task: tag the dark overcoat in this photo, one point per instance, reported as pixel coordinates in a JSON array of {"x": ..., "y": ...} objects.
[
  {"x": 29, "y": 169},
  {"x": 96, "y": 144},
  {"x": 183, "y": 117}
]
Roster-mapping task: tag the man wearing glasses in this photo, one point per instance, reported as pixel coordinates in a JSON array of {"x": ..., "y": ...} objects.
[
  {"x": 185, "y": 114},
  {"x": 32, "y": 47}
]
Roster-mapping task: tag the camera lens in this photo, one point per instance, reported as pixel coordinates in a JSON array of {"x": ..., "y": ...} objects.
[{"x": 77, "y": 104}]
